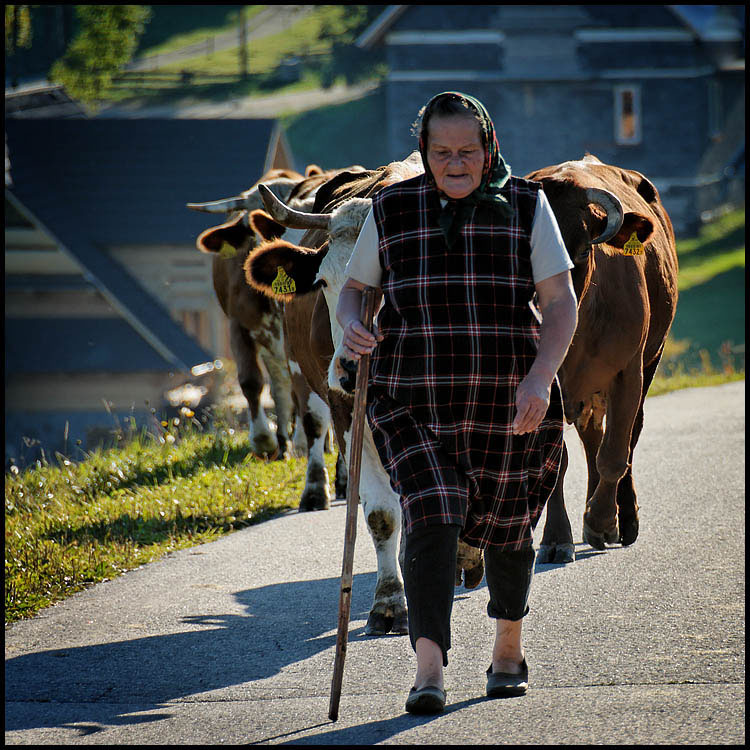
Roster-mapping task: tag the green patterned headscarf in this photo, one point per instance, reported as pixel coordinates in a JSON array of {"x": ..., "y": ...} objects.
[{"x": 494, "y": 176}]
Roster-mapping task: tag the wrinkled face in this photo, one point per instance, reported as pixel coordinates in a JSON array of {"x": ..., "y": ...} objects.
[{"x": 455, "y": 154}]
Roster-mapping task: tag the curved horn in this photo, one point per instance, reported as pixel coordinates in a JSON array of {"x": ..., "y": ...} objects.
[
  {"x": 239, "y": 203},
  {"x": 288, "y": 217},
  {"x": 615, "y": 215}
]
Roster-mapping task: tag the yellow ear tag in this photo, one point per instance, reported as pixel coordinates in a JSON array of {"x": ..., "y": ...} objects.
[
  {"x": 283, "y": 283},
  {"x": 633, "y": 246},
  {"x": 227, "y": 251}
]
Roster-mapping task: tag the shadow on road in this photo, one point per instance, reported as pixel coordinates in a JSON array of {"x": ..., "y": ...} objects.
[
  {"x": 370, "y": 733},
  {"x": 282, "y": 624},
  {"x": 115, "y": 683}
]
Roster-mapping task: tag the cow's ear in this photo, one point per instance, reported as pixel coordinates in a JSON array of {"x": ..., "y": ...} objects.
[
  {"x": 633, "y": 222},
  {"x": 263, "y": 225},
  {"x": 226, "y": 238},
  {"x": 281, "y": 270}
]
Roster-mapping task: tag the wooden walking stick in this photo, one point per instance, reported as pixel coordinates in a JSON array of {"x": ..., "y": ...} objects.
[{"x": 352, "y": 500}]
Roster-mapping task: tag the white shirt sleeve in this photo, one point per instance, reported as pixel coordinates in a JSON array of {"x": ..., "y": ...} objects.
[
  {"x": 364, "y": 264},
  {"x": 548, "y": 253}
]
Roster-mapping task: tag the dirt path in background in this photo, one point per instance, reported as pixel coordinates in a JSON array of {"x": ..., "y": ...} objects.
[
  {"x": 272, "y": 20},
  {"x": 252, "y": 107}
]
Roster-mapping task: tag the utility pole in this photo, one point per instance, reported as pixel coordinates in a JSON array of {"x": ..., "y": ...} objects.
[{"x": 243, "y": 44}]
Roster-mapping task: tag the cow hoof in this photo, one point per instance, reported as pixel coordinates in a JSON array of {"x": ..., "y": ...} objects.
[
  {"x": 628, "y": 532},
  {"x": 283, "y": 455},
  {"x": 599, "y": 539},
  {"x": 264, "y": 446},
  {"x": 473, "y": 576},
  {"x": 400, "y": 624},
  {"x": 340, "y": 490},
  {"x": 556, "y": 554},
  {"x": 314, "y": 501},
  {"x": 378, "y": 624},
  {"x": 263, "y": 455}
]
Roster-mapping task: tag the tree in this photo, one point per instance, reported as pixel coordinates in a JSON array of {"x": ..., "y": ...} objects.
[
  {"x": 107, "y": 39},
  {"x": 17, "y": 34},
  {"x": 342, "y": 25},
  {"x": 17, "y": 27}
]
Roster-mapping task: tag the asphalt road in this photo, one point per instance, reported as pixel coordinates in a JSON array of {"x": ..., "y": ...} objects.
[{"x": 233, "y": 642}]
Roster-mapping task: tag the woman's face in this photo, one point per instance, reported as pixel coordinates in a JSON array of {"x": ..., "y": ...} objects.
[{"x": 455, "y": 154}]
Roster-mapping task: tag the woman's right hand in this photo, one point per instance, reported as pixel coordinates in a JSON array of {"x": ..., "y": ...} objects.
[{"x": 358, "y": 340}]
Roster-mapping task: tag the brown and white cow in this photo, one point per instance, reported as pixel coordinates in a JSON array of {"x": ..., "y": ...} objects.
[
  {"x": 257, "y": 323},
  {"x": 626, "y": 304},
  {"x": 255, "y": 320},
  {"x": 317, "y": 267}
]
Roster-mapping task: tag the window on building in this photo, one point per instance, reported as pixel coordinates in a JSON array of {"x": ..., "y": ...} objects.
[{"x": 627, "y": 115}]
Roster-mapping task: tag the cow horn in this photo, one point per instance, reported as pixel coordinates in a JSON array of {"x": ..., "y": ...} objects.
[
  {"x": 288, "y": 217},
  {"x": 238, "y": 203},
  {"x": 611, "y": 204}
]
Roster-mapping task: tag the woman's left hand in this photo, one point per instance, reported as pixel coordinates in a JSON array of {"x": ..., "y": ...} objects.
[
  {"x": 557, "y": 300},
  {"x": 532, "y": 402}
]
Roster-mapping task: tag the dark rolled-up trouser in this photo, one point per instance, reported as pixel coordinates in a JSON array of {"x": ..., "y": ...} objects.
[{"x": 429, "y": 580}]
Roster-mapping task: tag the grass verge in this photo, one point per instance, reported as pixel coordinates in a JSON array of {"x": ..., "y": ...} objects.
[
  {"x": 706, "y": 345},
  {"x": 69, "y": 525}
]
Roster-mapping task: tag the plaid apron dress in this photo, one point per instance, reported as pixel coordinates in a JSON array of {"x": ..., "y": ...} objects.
[{"x": 460, "y": 335}]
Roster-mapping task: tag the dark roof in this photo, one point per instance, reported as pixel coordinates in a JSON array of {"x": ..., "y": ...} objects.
[
  {"x": 127, "y": 181},
  {"x": 76, "y": 346},
  {"x": 42, "y": 100},
  {"x": 91, "y": 184},
  {"x": 712, "y": 22},
  {"x": 708, "y": 22}
]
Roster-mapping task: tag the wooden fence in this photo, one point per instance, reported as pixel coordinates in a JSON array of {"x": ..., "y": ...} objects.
[{"x": 154, "y": 80}]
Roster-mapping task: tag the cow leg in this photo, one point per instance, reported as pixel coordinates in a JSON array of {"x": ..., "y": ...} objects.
[
  {"x": 342, "y": 476},
  {"x": 557, "y": 541},
  {"x": 281, "y": 387},
  {"x": 250, "y": 377},
  {"x": 317, "y": 417},
  {"x": 382, "y": 512},
  {"x": 300, "y": 394},
  {"x": 470, "y": 563},
  {"x": 590, "y": 428},
  {"x": 612, "y": 461},
  {"x": 627, "y": 502},
  {"x": 299, "y": 441}
]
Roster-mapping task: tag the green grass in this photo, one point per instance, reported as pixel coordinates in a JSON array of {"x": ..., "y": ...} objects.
[
  {"x": 323, "y": 136},
  {"x": 71, "y": 524},
  {"x": 173, "y": 27},
  {"x": 707, "y": 342}
]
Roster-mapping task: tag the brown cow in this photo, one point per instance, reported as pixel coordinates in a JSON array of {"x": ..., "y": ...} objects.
[
  {"x": 255, "y": 320},
  {"x": 314, "y": 336},
  {"x": 626, "y": 304}
]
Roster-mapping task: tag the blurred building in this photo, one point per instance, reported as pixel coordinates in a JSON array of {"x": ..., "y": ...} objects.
[
  {"x": 108, "y": 303},
  {"x": 655, "y": 88}
]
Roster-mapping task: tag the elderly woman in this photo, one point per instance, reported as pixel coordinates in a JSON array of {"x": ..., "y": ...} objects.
[{"x": 464, "y": 405}]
